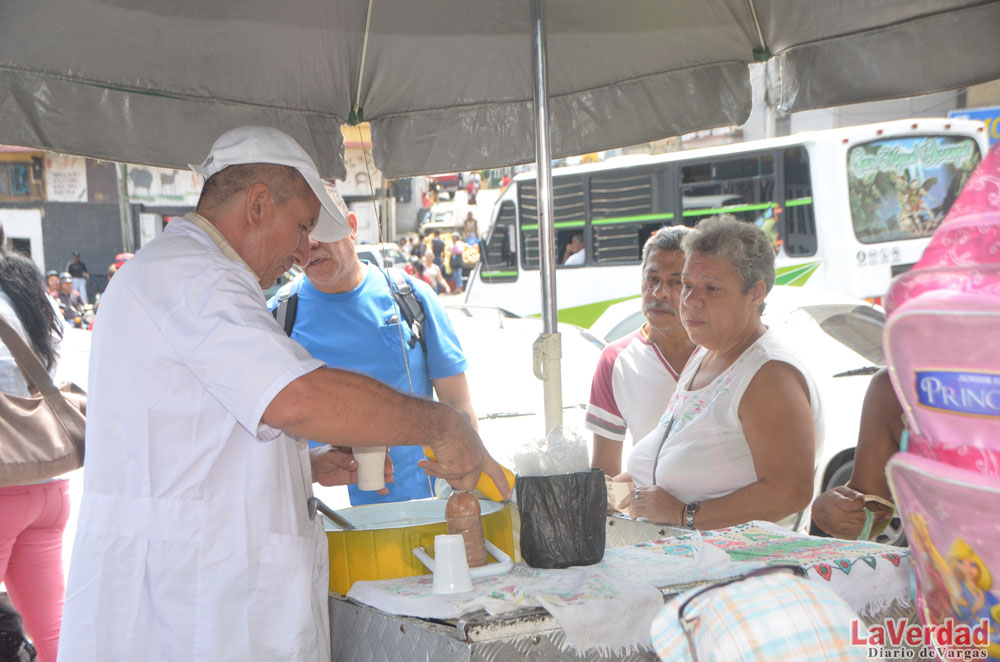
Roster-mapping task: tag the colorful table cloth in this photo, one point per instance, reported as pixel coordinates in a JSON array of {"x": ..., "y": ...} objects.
[{"x": 632, "y": 580}]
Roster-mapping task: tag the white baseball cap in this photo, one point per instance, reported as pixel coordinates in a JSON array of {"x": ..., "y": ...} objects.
[{"x": 261, "y": 144}]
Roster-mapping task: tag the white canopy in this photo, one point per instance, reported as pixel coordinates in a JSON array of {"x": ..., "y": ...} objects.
[{"x": 447, "y": 84}]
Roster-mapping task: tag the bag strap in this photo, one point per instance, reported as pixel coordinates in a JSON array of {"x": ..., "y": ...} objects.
[
  {"x": 409, "y": 306},
  {"x": 34, "y": 372},
  {"x": 288, "y": 306}
]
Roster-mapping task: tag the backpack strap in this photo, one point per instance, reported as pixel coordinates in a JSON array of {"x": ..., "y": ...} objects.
[
  {"x": 288, "y": 306},
  {"x": 409, "y": 306}
]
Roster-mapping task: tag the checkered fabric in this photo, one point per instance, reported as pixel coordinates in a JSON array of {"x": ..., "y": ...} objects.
[{"x": 776, "y": 616}]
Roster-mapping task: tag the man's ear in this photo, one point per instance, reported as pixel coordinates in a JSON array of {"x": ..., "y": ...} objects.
[
  {"x": 352, "y": 220},
  {"x": 257, "y": 203}
]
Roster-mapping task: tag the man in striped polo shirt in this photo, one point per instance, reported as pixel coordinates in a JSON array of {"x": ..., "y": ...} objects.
[{"x": 637, "y": 374}]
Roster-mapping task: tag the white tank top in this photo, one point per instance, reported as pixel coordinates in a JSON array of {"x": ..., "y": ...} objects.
[{"x": 706, "y": 455}]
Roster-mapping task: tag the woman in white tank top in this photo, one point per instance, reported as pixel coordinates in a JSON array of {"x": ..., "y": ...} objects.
[{"x": 739, "y": 436}]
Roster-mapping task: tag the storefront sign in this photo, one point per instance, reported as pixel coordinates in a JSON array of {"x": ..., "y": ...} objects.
[
  {"x": 989, "y": 116},
  {"x": 65, "y": 178}
]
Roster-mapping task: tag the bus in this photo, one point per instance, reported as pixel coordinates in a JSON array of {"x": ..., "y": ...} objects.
[{"x": 847, "y": 209}]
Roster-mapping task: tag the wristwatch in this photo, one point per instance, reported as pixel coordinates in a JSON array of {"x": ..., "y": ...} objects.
[{"x": 689, "y": 512}]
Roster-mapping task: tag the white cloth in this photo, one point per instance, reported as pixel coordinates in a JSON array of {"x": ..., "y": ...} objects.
[
  {"x": 706, "y": 455},
  {"x": 632, "y": 385},
  {"x": 194, "y": 540},
  {"x": 580, "y": 598}
]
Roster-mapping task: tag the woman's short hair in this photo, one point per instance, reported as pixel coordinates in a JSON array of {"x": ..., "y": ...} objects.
[
  {"x": 664, "y": 239},
  {"x": 742, "y": 244}
]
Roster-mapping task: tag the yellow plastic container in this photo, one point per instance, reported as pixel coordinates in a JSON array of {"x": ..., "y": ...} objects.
[
  {"x": 382, "y": 545},
  {"x": 485, "y": 486}
]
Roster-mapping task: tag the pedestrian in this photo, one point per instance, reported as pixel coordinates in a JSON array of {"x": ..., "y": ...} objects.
[
  {"x": 437, "y": 248},
  {"x": 432, "y": 274},
  {"x": 70, "y": 302},
  {"x": 425, "y": 208},
  {"x": 32, "y": 517},
  {"x": 456, "y": 261},
  {"x": 470, "y": 229},
  {"x": 78, "y": 270},
  {"x": 470, "y": 191},
  {"x": 52, "y": 283},
  {"x": 341, "y": 307},
  {"x": 195, "y": 539}
]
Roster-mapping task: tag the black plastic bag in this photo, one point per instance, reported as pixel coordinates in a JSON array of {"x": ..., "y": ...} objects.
[{"x": 562, "y": 518}]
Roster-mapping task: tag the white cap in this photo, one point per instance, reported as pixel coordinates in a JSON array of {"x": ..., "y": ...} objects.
[{"x": 261, "y": 144}]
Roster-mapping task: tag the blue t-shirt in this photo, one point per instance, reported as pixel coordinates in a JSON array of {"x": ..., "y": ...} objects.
[{"x": 360, "y": 331}]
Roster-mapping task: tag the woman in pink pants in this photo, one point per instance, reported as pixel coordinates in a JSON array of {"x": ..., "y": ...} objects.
[{"x": 32, "y": 517}]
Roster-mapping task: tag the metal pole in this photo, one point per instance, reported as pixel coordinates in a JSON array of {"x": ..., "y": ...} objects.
[
  {"x": 124, "y": 211},
  {"x": 548, "y": 347}
]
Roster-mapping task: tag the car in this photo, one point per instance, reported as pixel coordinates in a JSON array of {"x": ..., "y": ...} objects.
[
  {"x": 840, "y": 341},
  {"x": 506, "y": 395},
  {"x": 381, "y": 255}
]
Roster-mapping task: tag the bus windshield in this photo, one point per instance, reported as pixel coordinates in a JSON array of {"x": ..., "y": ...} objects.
[{"x": 901, "y": 188}]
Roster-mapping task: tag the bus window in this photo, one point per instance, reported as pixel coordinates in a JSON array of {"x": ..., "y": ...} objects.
[
  {"x": 621, "y": 215},
  {"x": 499, "y": 255},
  {"x": 567, "y": 210},
  {"x": 796, "y": 230},
  {"x": 901, "y": 188},
  {"x": 569, "y": 243},
  {"x": 742, "y": 186}
]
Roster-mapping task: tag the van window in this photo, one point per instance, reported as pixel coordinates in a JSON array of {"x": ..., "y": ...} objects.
[
  {"x": 621, "y": 212},
  {"x": 568, "y": 214},
  {"x": 499, "y": 254}
]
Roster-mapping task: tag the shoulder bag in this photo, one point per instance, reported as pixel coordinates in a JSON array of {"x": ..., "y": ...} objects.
[{"x": 41, "y": 435}]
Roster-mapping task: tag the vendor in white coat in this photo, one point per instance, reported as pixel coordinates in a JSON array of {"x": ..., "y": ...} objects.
[{"x": 194, "y": 540}]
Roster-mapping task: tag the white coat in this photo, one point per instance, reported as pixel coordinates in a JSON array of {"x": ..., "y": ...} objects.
[{"x": 194, "y": 540}]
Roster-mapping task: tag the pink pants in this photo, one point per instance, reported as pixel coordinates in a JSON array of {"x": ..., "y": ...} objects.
[{"x": 32, "y": 520}]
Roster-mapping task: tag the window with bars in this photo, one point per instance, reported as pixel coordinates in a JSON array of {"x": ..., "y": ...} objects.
[
  {"x": 568, "y": 215},
  {"x": 742, "y": 186},
  {"x": 20, "y": 180},
  {"x": 798, "y": 218},
  {"x": 499, "y": 255},
  {"x": 622, "y": 218}
]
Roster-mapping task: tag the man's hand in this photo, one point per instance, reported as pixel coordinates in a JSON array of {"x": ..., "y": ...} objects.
[
  {"x": 460, "y": 458},
  {"x": 335, "y": 465}
]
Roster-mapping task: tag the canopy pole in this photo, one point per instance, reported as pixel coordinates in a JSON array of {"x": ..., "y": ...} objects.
[
  {"x": 124, "y": 211},
  {"x": 548, "y": 347}
]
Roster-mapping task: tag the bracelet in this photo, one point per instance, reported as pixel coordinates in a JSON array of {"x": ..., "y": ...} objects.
[{"x": 680, "y": 522}]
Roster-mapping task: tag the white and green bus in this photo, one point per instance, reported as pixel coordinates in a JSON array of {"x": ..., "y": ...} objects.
[{"x": 848, "y": 209}]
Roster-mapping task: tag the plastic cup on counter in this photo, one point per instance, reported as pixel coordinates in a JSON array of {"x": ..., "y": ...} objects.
[
  {"x": 451, "y": 567},
  {"x": 371, "y": 467}
]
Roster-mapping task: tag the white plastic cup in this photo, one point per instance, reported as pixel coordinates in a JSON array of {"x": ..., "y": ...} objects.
[
  {"x": 451, "y": 567},
  {"x": 371, "y": 467}
]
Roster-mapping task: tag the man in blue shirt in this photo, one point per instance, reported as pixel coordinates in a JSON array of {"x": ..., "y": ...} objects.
[{"x": 346, "y": 316}]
